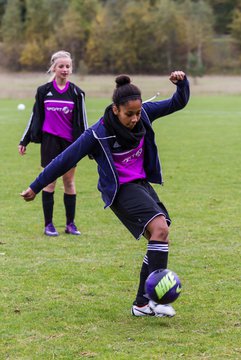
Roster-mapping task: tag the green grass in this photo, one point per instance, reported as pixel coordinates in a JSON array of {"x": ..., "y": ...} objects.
[{"x": 70, "y": 297}]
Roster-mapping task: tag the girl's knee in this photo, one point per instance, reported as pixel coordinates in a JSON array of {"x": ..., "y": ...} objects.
[
  {"x": 159, "y": 229},
  {"x": 162, "y": 232}
]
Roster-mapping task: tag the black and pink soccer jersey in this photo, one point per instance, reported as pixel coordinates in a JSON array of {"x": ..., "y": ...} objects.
[
  {"x": 58, "y": 112},
  {"x": 130, "y": 164},
  {"x": 58, "y": 107}
]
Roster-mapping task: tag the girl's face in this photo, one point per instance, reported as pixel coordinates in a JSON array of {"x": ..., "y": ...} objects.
[
  {"x": 63, "y": 68},
  {"x": 128, "y": 114}
]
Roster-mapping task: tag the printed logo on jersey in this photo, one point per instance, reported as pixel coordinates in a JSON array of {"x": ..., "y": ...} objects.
[
  {"x": 49, "y": 94},
  {"x": 65, "y": 109},
  {"x": 135, "y": 155}
]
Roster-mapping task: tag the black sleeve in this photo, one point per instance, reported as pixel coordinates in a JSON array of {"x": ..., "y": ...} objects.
[
  {"x": 80, "y": 122},
  {"x": 33, "y": 131}
]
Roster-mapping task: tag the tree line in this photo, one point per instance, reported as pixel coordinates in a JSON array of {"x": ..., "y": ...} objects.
[{"x": 134, "y": 36}]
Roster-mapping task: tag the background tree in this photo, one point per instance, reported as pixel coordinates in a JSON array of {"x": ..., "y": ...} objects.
[
  {"x": 136, "y": 36},
  {"x": 120, "y": 43},
  {"x": 12, "y": 33},
  {"x": 236, "y": 29},
  {"x": 37, "y": 30},
  {"x": 99, "y": 46},
  {"x": 223, "y": 13},
  {"x": 199, "y": 33},
  {"x": 75, "y": 26},
  {"x": 168, "y": 33},
  {"x": 132, "y": 38},
  {"x": 3, "y": 4},
  {"x": 235, "y": 26}
]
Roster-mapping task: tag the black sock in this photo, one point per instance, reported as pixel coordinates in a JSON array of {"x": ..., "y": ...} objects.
[
  {"x": 70, "y": 204},
  {"x": 48, "y": 206},
  {"x": 155, "y": 258},
  {"x": 157, "y": 252},
  {"x": 140, "y": 298}
]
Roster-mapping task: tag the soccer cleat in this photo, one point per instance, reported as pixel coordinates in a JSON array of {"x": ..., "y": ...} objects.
[
  {"x": 144, "y": 310},
  {"x": 162, "y": 310},
  {"x": 72, "y": 229},
  {"x": 153, "y": 309},
  {"x": 50, "y": 230}
]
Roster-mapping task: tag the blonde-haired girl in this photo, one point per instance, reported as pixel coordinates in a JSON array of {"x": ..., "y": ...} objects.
[{"x": 58, "y": 119}]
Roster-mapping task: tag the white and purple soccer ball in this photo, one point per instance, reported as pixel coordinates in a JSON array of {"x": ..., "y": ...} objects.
[{"x": 163, "y": 286}]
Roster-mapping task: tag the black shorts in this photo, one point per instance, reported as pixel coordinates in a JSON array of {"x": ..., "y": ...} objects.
[
  {"x": 52, "y": 146},
  {"x": 136, "y": 204}
]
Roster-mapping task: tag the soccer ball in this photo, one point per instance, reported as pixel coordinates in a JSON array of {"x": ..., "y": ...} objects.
[
  {"x": 21, "y": 107},
  {"x": 163, "y": 286}
]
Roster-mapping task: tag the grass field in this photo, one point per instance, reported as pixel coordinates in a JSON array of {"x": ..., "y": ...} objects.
[{"x": 70, "y": 297}]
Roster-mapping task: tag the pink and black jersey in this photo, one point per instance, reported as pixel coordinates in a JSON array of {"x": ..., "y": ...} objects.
[
  {"x": 129, "y": 164},
  {"x": 58, "y": 107},
  {"x": 65, "y": 111}
]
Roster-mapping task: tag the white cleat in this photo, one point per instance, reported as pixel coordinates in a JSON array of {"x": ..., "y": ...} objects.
[
  {"x": 144, "y": 310},
  {"x": 153, "y": 309},
  {"x": 162, "y": 310}
]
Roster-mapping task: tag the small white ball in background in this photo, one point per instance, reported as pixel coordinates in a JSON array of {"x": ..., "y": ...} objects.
[{"x": 21, "y": 107}]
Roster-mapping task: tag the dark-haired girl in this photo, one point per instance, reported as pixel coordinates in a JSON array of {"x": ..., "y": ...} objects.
[{"x": 123, "y": 145}]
